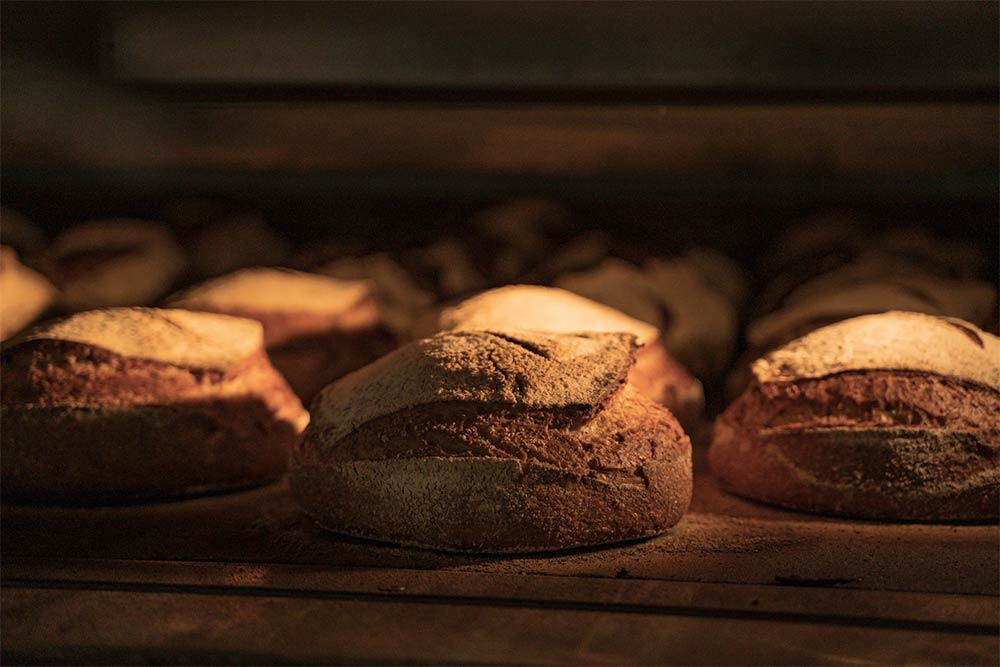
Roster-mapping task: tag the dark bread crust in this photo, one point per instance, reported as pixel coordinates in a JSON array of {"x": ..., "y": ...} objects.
[
  {"x": 663, "y": 379},
  {"x": 482, "y": 478},
  {"x": 310, "y": 363},
  {"x": 95, "y": 455},
  {"x": 870, "y": 444},
  {"x": 83, "y": 424}
]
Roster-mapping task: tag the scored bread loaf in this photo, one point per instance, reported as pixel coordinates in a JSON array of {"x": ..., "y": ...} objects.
[
  {"x": 316, "y": 328},
  {"x": 529, "y": 307},
  {"x": 128, "y": 404},
  {"x": 494, "y": 442},
  {"x": 892, "y": 416}
]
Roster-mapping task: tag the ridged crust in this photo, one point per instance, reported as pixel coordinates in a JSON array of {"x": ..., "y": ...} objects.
[
  {"x": 576, "y": 373},
  {"x": 502, "y": 481},
  {"x": 316, "y": 328},
  {"x": 84, "y": 424},
  {"x": 697, "y": 323},
  {"x": 974, "y": 301},
  {"x": 888, "y": 341},
  {"x": 171, "y": 336},
  {"x": 549, "y": 309},
  {"x": 535, "y": 308},
  {"x": 893, "y": 416},
  {"x": 874, "y": 473}
]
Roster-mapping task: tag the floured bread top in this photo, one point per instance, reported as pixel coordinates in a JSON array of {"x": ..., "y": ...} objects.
[
  {"x": 533, "y": 308},
  {"x": 177, "y": 337},
  {"x": 266, "y": 289},
  {"x": 528, "y": 369},
  {"x": 971, "y": 300},
  {"x": 888, "y": 341}
]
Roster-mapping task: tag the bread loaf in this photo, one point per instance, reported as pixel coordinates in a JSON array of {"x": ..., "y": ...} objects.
[
  {"x": 494, "y": 442},
  {"x": 24, "y": 294},
  {"x": 532, "y": 308},
  {"x": 400, "y": 299},
  {"x": 697, "y": 323},
  {"x": 316, "y": 328},
  {"x": 892, "y": 416},
  {"x": 129, "y": 404},
  {"x": 113, "y": 263}
]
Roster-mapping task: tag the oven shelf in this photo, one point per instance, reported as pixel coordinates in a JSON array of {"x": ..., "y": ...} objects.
[{"x": 247, "y": 577}]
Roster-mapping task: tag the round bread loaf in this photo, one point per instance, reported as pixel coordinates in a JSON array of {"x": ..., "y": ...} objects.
[
  {"x": 316, "y": 328},
  {"x": 532, "y": 308},
  {"x": 118, "y": 262},
  {"x": 130, "y": 404},
  {"x": 494, "y": 442},
  {"x": 891, "y": 416}
]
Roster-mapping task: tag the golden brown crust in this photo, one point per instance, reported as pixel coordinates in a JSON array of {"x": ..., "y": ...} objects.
[
  {"x": 84, "y": 423},
  {"x": 865, "y": 427},
  {"x": 889, "y": 341},
  {"x": 87, "y": 455},
  {"x": 659, "y": 376},
  {"x": 316, "y": 328},
  {"x": 499, "y": 478},
  {"x": 534, "y": 308},
  {"x": 572, "y": 373},
  {"x": 170, "y": 336}
]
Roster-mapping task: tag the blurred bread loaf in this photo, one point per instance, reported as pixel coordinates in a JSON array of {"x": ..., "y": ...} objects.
[
  {"x": 697, "y": 322},
  {"x": 533, "y": 308},
  {"x": 316, "y": 328},
  {"x": 25, "y": 295},
  {"x": 117, "y": 262}
]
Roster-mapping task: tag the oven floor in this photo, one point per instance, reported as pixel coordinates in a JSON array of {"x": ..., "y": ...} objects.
[{"x": 248, "y": 578}]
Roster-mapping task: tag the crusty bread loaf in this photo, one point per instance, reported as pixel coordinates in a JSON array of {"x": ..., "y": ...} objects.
[
  {"x": 316, "y": 328},
  {"x": 127, "y": 404},
  {"x": 24, "y": 294},
  {"x": 893, "y": 416},
  {"x": 116, "y": 262},
  {"x": 494, "y": 442},
  {"x": 532, "y": 308}
]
